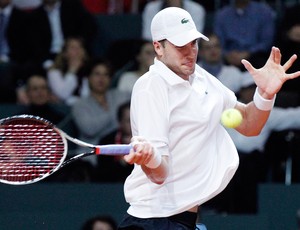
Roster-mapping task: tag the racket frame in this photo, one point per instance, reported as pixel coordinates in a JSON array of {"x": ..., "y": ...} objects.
[{"x": 95, "y": 149}]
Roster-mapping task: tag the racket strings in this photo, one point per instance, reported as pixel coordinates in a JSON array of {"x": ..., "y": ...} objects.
[{"x": 28, "y": 151}]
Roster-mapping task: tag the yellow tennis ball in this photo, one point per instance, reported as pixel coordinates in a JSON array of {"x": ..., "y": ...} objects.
[{"x": 231, "y": 118}]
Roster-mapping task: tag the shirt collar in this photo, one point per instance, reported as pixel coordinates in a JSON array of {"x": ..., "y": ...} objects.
[{"x": 168, "y": 75}]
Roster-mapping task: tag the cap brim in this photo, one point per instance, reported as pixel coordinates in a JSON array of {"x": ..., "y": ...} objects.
[{"x": 186, "y": 37}]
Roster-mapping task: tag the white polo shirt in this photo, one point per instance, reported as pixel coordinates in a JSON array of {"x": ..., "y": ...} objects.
[{"x": 182, "y": 120}]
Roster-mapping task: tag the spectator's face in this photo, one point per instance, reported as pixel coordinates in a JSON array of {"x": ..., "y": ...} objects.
[
  {"x": 37, "y": 91},
  {"x": 99, "y": 79},
  {"x": 74, "y": 49},
  {"x": 210, "y": 51},
  {"x": 99, "y": 225},
  {"x": 174, "y": 3},
  {"x": 146, "y": 56},
  {"x": 294, "y": 33}
]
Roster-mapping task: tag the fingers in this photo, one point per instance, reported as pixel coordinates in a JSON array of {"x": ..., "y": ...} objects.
[
  {"x": 276, "y": 55},
  {"x": 293, "y": 75},
  {"x": 248, "y": 66},
  {"x": 290, "y": 62},
  {"x": 272, "y": 71},
  {"x": 141, "y": 153}
]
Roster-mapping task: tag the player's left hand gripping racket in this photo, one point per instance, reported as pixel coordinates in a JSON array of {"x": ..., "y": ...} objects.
[{"x": 32, "y": 148}]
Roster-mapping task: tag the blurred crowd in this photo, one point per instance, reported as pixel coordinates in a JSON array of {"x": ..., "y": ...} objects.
[{"x": 49, "y": 67}]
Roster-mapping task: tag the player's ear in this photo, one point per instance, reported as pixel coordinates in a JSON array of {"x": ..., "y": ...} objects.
[{"x": 158, "y": 47}]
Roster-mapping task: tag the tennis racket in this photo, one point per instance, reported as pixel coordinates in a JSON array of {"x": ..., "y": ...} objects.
[{"x": 32, "y": 148}]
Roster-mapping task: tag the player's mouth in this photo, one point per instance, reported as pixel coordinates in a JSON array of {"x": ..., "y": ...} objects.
[{"x": 190, "y": 64}]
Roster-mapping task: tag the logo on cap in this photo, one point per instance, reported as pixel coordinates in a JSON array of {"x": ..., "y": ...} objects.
[{"x": 183, "y": 21}]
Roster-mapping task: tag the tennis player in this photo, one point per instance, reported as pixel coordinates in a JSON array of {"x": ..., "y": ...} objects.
[{"x": 182, "y": 154}]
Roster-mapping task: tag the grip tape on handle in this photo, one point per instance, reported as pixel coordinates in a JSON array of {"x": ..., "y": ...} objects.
[{"x": 121, "y": 149}]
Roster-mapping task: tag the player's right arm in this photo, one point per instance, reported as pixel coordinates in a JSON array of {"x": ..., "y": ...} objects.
[{"x": 153, "y": 164}]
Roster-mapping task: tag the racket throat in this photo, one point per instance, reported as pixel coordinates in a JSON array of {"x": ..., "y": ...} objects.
[{"x": 77, "y": 157}]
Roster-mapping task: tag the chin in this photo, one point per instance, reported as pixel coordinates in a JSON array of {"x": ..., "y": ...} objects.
[{"x": 190, "y": 71}]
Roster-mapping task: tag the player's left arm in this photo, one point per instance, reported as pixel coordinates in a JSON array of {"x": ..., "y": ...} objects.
[
  {"x": 254, "y": 119},
  {"x": 269, "y": 80}
]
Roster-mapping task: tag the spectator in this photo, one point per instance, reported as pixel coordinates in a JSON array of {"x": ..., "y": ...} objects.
[
  {"x": 100, "y": 223},
  {"x": 144, "y": 57},
  {"x": 40, "y": 104},
  {"x": 26, "y": 54},
  {"x": 66, "y": 76},
  {"x": 289, "y": 19},
  {"x": 288, "y": 39},
  {"x": 7, "y": 84},
  {"x": 43, "y": 31},
  {"x": 39, "y": 100},
  {"x": 96, "y": 115},
  {"x": 5, "y": 11},
  {"x": 115, "y": 169},
  {"x": 211, "y": 59},
  {"x": 195, "y": 9},
  {"x": 246, "y": 30}
]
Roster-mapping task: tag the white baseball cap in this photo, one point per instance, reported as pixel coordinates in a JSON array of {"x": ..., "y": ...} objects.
[{"x": 176, "y": 25}]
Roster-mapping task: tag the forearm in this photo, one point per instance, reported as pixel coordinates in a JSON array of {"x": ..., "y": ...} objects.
[
  {"x": 62, "y": 86},
  {"x": 256, "y": 113},
  {"x": 157, "y": 175},
  {"x": 253, "y": 119},
  {"x": 154, "y": 164}
]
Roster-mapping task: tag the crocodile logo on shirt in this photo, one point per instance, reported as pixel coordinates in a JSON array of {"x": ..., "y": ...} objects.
[{"x": 184, "y": 20}]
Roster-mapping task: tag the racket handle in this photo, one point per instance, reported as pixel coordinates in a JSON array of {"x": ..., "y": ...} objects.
[{"x": 116, "y": 149}]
